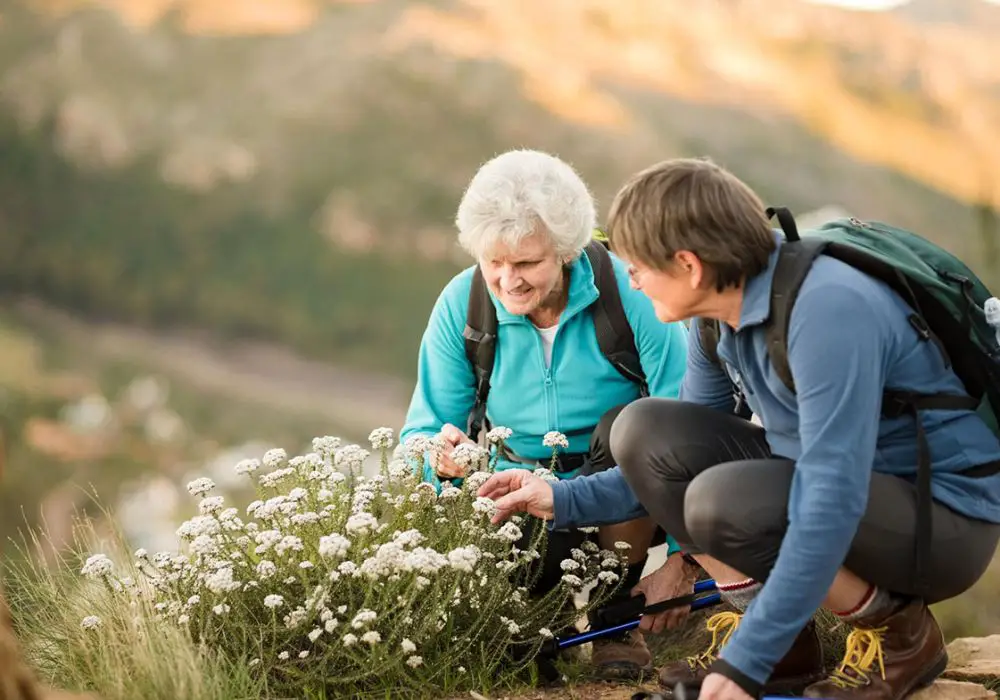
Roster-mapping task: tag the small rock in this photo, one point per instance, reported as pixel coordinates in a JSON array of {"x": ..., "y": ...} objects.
[
  {"x": 974, "y": 658},
  {"x": 954, "y": 690}
]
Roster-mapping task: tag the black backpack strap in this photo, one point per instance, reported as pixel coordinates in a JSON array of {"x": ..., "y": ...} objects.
[
  {"x": 614, "y": 334},
  {"x": 708, "y": 334},
  {"x": 785, "y": 220},
  {"x": 898, "y": 403},
  {"x": 480, "y": 348},
  {"x": 794, "y": 260}
]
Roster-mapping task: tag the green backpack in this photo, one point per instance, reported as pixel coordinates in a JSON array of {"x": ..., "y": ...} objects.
[
  {"x": 947, "y": 300},
  {"x": 614, "y": 334}
]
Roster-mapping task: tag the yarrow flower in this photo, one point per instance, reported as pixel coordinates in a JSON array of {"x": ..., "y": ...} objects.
[
  {"x": 200, "y": 486},
  {"x": 332, "y": 560},
  {"x": 247, "y": 466},
  {"x": 333, "y": 546},
  {"x": 212, "y": 504},
  {"x": 274, "y": 458},
  {"x": 361, "y": 523},
  {"x": 468, "y": 455},
  {"x": 350, "y": 456},
  {"x": 498, "y": 434},
  {"x": 91, "y": 622},
  {"x": 381, "y": 438},
  {"x": 326, "y": 446},
  {"x": 572, "y": 581},
  {"x": 555, "y": 439},
  {"x": 97, "y": 566},
  {"x": 608, "y": 577}
]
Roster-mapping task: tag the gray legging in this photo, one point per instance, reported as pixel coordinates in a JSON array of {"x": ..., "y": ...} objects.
[{"x": 709, "y": 479}]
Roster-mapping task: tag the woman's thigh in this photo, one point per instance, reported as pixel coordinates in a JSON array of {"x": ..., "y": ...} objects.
[
  {"x": 738, "y": 512},
  {"x": 661, "y": 445}
]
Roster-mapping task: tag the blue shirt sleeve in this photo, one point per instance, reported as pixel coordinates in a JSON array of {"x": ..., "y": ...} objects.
[
  {"x": 445, "y": 389},
  {"x": 705, "y": 383},
  {"x": 604, "y": 498},
  {"x": 838, "y": 352}
]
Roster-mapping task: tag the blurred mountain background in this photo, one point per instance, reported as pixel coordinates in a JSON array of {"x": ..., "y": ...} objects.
[{"x": 223, "y": 224}]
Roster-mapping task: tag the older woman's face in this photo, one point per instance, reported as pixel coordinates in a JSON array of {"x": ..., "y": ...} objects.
[{"x": 524, "y": 277}]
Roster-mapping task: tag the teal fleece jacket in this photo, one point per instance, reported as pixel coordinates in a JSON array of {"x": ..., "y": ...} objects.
[{"x": 569, "y": 397}]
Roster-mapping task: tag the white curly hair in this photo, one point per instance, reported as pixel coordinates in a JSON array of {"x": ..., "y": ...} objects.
[{"x": 522, "y": 192}]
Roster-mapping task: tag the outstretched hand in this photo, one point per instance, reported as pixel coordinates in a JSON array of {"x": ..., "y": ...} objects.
[{"x": 518, "y": 491}]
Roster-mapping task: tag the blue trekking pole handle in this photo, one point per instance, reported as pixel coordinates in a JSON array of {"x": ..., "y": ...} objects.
[{"x": 707, "y": 585}]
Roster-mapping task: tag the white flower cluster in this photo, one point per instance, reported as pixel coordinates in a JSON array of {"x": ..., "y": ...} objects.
[
  {"x": 555, "y": 439},
  {"x": 340, "y": 562}
]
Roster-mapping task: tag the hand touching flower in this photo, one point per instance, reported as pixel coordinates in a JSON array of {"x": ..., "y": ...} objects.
[
  {"x": 518, "y": 491},
  {"x": 442, "y": 460}
]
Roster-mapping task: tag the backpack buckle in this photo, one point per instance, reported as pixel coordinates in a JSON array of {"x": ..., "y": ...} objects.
[
  {"x": 896, "y": 404},
  {"x": 919, "y": 324}
]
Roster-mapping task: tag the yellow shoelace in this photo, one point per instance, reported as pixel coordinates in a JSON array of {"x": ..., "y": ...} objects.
[
  {"x": 724, "y": 622},
  {"x": 864, "y": 648}
]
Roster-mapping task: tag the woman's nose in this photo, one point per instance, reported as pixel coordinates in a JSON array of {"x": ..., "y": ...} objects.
[{"x": 509, "y": 278}]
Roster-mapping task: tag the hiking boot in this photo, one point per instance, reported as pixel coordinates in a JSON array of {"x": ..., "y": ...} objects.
[
  {"x": 692, "y": 670},
  {"x": 802, "y": 665},
  {"x": 907, "y": 646},
  {"x": 622, "y": 658}
]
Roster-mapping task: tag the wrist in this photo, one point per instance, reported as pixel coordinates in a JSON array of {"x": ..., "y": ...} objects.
[
  {"x": 690, "y": 568},
  {"x": 745, "y": 682}
]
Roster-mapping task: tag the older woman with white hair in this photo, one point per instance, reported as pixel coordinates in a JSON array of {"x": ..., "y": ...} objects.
[{"x": 545, "y": 334}]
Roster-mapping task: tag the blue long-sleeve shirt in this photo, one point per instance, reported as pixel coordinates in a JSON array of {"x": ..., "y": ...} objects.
[{"x": 848, "y": 338}]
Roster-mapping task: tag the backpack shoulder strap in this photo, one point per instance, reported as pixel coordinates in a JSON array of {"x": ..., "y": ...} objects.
[
  {"x": 708, "y": 334},
  {"x": 614, "y": 334},
  {"x": 794, "y": 261},
  {"x": 480, "y": 347},
  {"x": 795, "y": 258}
]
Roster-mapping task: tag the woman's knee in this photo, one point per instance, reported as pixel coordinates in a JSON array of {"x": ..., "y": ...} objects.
[
  {"x": 708, "y": 515},
  {"x": 642, "y": 428},
  {"x": 601, "y": 456},
  {"x": 738, "y": 506}
]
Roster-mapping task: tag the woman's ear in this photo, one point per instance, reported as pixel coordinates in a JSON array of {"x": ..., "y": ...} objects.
[{"x": 688, "y": 265}]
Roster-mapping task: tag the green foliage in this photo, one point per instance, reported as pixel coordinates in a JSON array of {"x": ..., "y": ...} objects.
[{"x": 123, "y": 244}]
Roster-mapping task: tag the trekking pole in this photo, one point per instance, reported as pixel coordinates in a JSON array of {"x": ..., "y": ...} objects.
[{"x": 628, "y": 615}]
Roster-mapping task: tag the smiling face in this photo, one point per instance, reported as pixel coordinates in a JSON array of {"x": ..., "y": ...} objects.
[
  {"x": 525, "y": 277},
  {"x": 677, "y": 292}
]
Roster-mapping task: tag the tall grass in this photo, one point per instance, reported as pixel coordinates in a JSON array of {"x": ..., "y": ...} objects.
[{"x": 130, "y": 653}]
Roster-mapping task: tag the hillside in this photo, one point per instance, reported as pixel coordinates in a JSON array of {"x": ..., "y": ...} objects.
[{"x": 290, "y": 170}]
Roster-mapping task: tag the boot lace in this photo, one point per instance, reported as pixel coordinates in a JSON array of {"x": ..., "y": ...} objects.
[
  {"x": 864, "y": 648},
  {"x": 724, "y": 623}
]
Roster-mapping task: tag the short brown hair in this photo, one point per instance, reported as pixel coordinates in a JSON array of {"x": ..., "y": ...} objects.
[{"x": 692, "y": 204}]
